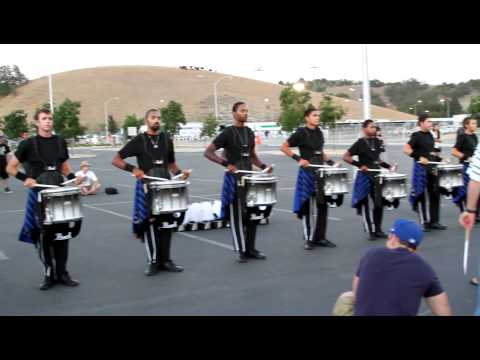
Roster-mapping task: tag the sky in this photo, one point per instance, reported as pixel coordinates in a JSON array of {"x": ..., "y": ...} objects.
[{"x": 433, "y": 64}]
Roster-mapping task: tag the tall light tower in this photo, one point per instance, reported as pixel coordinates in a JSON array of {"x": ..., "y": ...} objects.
[{"x": 366, "y": 86}]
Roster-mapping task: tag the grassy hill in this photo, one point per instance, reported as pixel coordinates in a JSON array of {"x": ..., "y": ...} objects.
[{"x": 142, "y": 87}]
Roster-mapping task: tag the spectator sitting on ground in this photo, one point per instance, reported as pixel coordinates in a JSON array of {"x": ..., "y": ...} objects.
[
  {"x": 392, "y": 280},
  {"x": 90, "y": 184}
]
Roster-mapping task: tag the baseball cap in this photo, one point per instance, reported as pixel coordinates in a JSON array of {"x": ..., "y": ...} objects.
[
  {"x": 408, "y": 232},
  {"x": 84, "y": 163}
]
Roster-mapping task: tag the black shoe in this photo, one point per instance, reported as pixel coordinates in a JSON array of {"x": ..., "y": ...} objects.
[
  {"x": 325, "y": 243},
  {"x": 426, "y": 228},
  {"x": 477, "y": 220},
  {"x": 47, "y": 283},
  {"x": 151, "y": 269},
  {"x": 372, "y": 237},
  {"x": 438, "y": 226},
  {"x": 171, "y": 267},
  {"x": 242, "y": 257},
  {"x": 66, "y": 280},
  {"x": 7, "y": 190},
  {"x": 255, "y": 254},
  {"x": 309, "y": 245},
  {"x": 380, "y": 235}
]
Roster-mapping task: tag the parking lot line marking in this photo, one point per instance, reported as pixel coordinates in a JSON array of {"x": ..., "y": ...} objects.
[
  {"x": 3, "y": 256},
  {"x": 205, "y": 240},
  {"x": 11, "y": 211},
  {"x": 112, "y": 203},
  {"x": 291, "y": 212}
]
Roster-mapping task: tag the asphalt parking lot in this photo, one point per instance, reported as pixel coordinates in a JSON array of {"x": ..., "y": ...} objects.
[{"x": 109, "y": 262}]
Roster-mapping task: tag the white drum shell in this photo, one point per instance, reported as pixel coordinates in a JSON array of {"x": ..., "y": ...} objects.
[
  {"x": 336, "y": 181},
  {"x": 450, "y": 176},
  {"x": 168, "y": 197},
  {"x": 61, "y": 205},
  {"x": 260, "y": 190},
  {"x": 394, "y": 186}
]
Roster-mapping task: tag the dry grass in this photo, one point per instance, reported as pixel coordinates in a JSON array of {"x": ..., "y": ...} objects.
[{"x": 142, "y": 87}]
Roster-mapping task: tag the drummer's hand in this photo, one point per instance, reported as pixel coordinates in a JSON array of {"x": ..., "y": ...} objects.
[
  {"x": 185, "y": 174},
  {"x": 30, "y": 183},
  {"x": 393, "y": 168},
  {"x": 364, "y": 168},
  {"x": 231, "y": 168},
  {"x": 467, "y": 220},
  {"x": 138, "y": 173},
  {"x": 269, "y": 169},
  {"x": 423, "y": 160},
  {"x": 304, "y": 163},
  {"x": 337, "y": 164}
]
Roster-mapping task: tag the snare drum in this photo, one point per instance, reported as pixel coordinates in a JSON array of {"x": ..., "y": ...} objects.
[
  {"x": 449, "y": 176},
  {"x": 335, "y": 180},
  {"x": 60, "y": 205},
  {"x": 261, "y": 190},
  {"x": 393, "y": 186},
  {"x": 166, "y": 197}
]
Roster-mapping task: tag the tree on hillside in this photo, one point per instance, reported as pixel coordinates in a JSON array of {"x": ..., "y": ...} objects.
[
  {"x": 474, "y": 107},
  {"x": 172, "y": 116},
  {"x": 10, "y": 79},
  {"x": 210, "y": 125},
  {"x": 15, "y": 123},
  {"x": 66, "y": 119},
  {"x": 132, "y": 121},
  {"x": 293, "y": 104},
  {"x": 112, "y": 125},
  {"x": 329, "y": 112}
]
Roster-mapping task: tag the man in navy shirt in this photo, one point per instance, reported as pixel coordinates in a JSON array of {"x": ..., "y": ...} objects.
[{"x": 392, "y": 280}]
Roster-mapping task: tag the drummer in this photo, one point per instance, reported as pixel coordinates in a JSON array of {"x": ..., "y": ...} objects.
[
  {"x": 45, "y": 159},
  {"x": 464, "y": 149},
  {"x": 238, "y": 142},
  {"x": 155, "y": 157},
  {"x": 368, "y": 149},
  {"x": 421, "y": 148},
  {"x": 310, "y": 142}
]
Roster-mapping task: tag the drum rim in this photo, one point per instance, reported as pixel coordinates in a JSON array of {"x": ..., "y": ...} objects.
[{"x": 61, "y": 191}]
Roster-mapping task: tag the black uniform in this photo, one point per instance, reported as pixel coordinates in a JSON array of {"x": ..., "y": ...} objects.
[
  {"x": 239, "y": 146},
  {"x": 4, "y": 150},
  {"x": 423, "y": 145},
  {"x": 310, "y": 144},
  {"x": 42, "y": 159},
  {"x": 154, "y": 153},
  {"x": 368, "y": 151}
]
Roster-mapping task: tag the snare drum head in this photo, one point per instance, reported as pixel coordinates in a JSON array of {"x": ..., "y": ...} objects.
[
  {"x": 61, "y": 191},
  {"x": 258, "y": 179},
  {"x": 168, "y": 184}
]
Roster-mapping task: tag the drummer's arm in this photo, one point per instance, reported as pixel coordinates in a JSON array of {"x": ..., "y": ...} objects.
[
  {"x": 256, "y": 161},
  {"x": 210, "y": 154},
  {"x": 12, "y": 170},
  {"x": 118, "y": 162},
  {"x": 458, "y": 154},
  {"x": 67, "y": 172},
  {"x": 348, "y": 158}
]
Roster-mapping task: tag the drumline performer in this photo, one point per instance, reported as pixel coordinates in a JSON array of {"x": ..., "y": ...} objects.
[
  {"x": 155, "y": 155},
  {"x": 45, "y": 160},
  {"x": 464, "y": 149},
  {"x": 238, "y": 142},
  {"x": 421, "y": 148},
  {"x": 368, "y": 150},
  {"x": 310, "y": 141}
]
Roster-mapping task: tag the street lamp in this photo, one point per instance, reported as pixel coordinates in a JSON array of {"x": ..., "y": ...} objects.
[
  {"x": 415, "y": 106},
  {"x": 448, "y": 106},
  {"x": 105, "y": 107},
  {"x": 215, "y": 93}
]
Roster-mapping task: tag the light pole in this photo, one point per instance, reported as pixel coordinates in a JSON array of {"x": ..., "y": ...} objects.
[
  {"x": 215, "y": 93},
  {"x": 105, "y": 105},
  {"x": 50, "y": 92},
  {"x": 366, "y": 86},
  {"x": 418, "y": 102},
  {"x": 447, "y": 101}
]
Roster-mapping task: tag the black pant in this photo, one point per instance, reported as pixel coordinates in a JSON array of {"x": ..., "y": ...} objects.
[
  {"x": 377, "y": 213},
  {"x": 243, "y": 222},
  {"x": 307, "y": 213},
  {"x": 433, "y": 196},
  {"x": 53, "y": 254},
  {"x": 158, "y": 241}
]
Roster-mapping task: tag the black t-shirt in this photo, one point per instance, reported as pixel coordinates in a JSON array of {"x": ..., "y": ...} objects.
[
  {"x": 466, "y": 144},
  {"x": 423, "y": 144},
  {"x": 309, "y": 142},
  {"x": 37, "y": 153},
  {"x": 393, "y": 282},
  {"x": 239, "y": 146},
  {"x": 149, "y": 149},
  {"x": 4, "y": 150},
  {"x": 368, "y": 151}
]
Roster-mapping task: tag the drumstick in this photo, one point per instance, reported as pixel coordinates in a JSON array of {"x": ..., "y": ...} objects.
[
  {"x": 266, "y": 169},
  {"x": 435, "y": 163},
  {"x": 68, "y": 182},
  {"x": 46, "y": 186},
  {"x": 465, "y": 251},
  {"x": 247, "y": 172},
  {"x": 180, "y": 175},
  {"x": 155, "y": 178}
]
